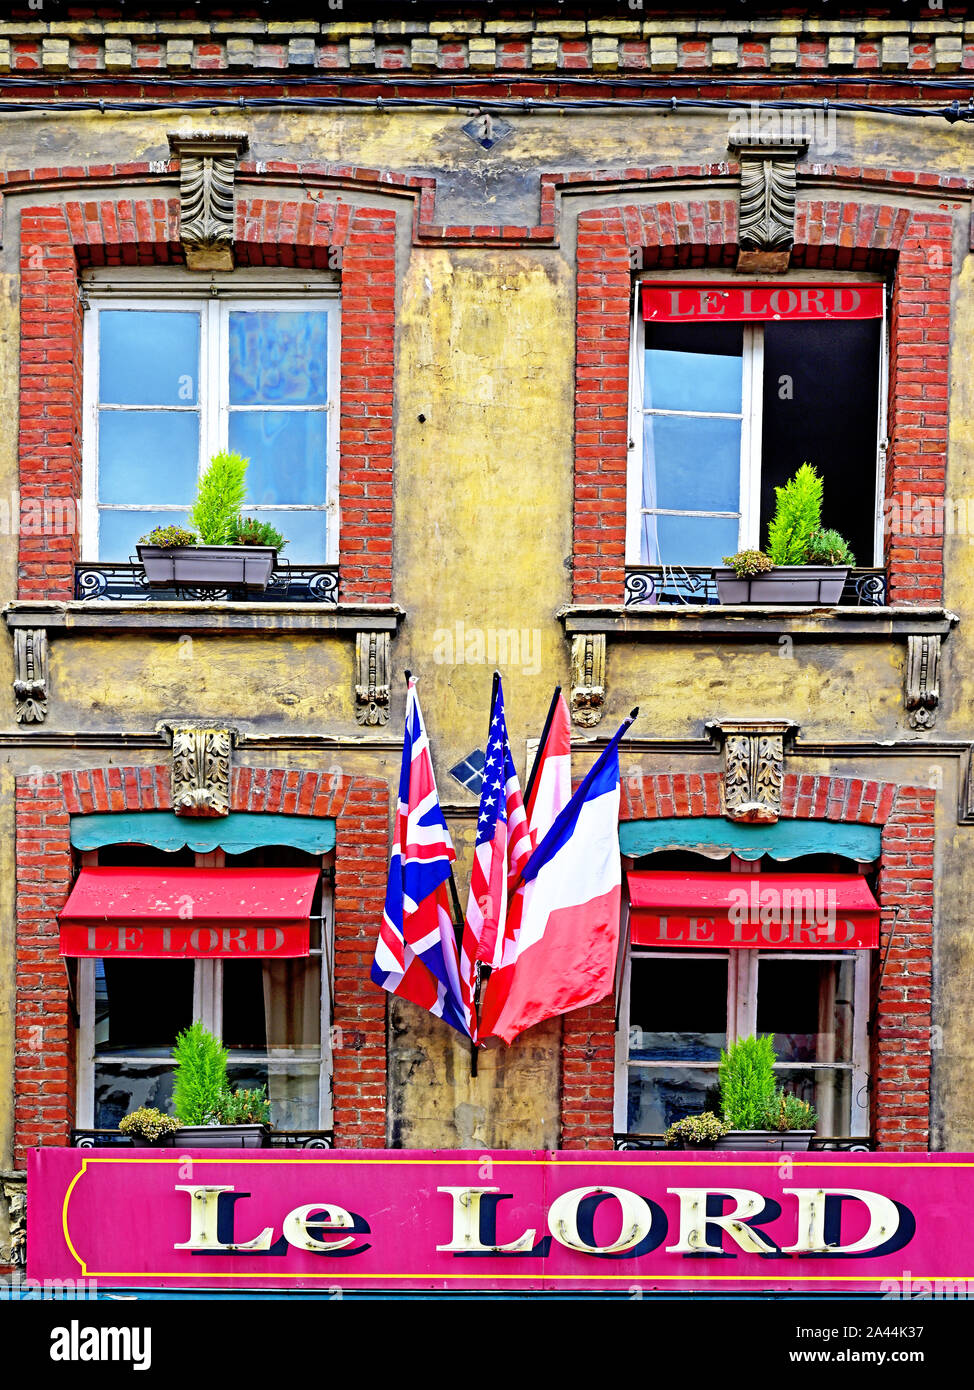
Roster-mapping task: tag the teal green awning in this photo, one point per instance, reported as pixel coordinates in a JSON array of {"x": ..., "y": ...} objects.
[
  {"x": 717, "y": 838},
  {"x": 235, "y": 833}
]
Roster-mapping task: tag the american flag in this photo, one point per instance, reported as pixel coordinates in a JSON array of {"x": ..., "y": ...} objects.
[
  {"x": 503, "y": 847},
  {"x": 416, "y": 952}
]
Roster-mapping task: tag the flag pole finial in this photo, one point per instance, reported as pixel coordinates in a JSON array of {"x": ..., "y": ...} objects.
[
  {"x": 633, "y": 712},
  {"x": 409, "y": 675}
]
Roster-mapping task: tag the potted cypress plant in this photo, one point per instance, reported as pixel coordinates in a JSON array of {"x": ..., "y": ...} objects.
[
  {"x": 211, "y": 1116},
  {"x": 804, "y": 562},
  {"x": 756, "y": 1111},
  {"x": 223, "y": 549}
]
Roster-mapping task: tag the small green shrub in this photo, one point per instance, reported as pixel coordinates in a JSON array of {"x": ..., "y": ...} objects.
[
  {"x": 243, "y": 1107},
  {"x": 748, "y": 1090},
  {"x": 797, "y": 517},
  {"x": 695, "y": 1131},
  {"x": 792, "y": 1113},
  {"x": 201, "y": 1075},
  {"x": 247, "y": 530},
  {"x": 169, "y": 537},
  {"x": 148, "y": 1123},
  {"x": 829, "y": 548},
  {"x": 219, "y": 497},
  {"x": 747, "y": 563}
]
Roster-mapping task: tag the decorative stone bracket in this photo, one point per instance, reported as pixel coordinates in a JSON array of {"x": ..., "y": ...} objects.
[
  {"x": 754, "y": 758},
  {"x": 30, "y": 679},
  {"x": 588, "y": 678},
  {"x": 372, "y": 678},
  {"x": 207, "y": 168},
  {"x": 200, "y": 770},
  {"x": 766, "y": 218},
  {"x": 923, "y": 680}
]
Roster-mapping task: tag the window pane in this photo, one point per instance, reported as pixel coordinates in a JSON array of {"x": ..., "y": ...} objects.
[
  {"x": 273, "y": 1007},
  {"x": 660, "y": 1095},
  {"x": 287, "y": 452},
  {"x": 141, "y": 1005},
  {"x": 119, "y": 532},
  {"x": 149, "y": 357},
  {"x": 121, "y": 1088},
  {"x": 678, "y": 1009},
  {"x": 688, "y": 540},
  {"x": 807, "y": 1006},
  {"x": 691, "y": 464},
  {"x": 305, "y": 533},
  {"x": 279, "y": 357},
  {"x": 293, "y": 1092},
  {"x": 821, "y": 391},
  {"x": 148, "y": 456},
  {"x": 694, "y": 367},
  {"x": 831, "y": 1094}
]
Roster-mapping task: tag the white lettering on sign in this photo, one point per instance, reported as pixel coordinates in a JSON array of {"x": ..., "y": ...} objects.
[
  {"x": 204, "y": 1218},
  {"x": 637, "y": 1220},
  {"x": 466, "y": 1225},
  {"x": 884, "y": 1220},
  {"x": 298, "y": 1221},
  {"x": 695, "y": 1223},
  {"x": 739, "y": 302}
]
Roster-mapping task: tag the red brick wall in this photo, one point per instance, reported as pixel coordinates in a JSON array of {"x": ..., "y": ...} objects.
[
  {"x": 913, "y": 246},
  {"x": 900, "y": 1042},
  {"x": 44, "y": 1079},
  {"x": 56, "y": 242}
]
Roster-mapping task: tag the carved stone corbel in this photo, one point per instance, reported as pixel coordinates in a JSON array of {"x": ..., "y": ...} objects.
[
  {"x": 207, "y": 167},
  {"x": 30, "y": 674},
  {"x": 200, "y": 769},
  {"x": 754, "y": 765},
  {"x": 588, "y": 678},
  {"x": 922, "y": 680},
  {"x": 372, "y": 678},
  {"x": 766, "y": 216}
]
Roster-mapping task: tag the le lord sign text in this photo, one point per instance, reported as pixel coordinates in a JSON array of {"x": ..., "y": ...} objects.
[{"x": 412, "y": 1219}]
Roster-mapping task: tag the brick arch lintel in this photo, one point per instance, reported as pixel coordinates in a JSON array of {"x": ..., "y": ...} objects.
[
  {"x": 44, "y": 1076},
  {"x": 901, "y": 1042}
]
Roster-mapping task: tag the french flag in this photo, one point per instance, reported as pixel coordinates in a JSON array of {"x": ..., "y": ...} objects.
[{"x": 569, "y": 930}]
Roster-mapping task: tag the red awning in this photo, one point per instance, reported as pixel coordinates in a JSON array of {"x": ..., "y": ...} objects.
[
  {"x": 162, "y": 913},
  {"x": 769, "y": 912},
  {"x": 707, "y": 301}
]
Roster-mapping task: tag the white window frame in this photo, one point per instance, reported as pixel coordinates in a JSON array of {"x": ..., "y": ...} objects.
[
  {"x": 213, "y": 405},
  {"x": 208, "y": 1010},
  {"x": 749, "y": 523},
  {"x": 742, "y": 985}
]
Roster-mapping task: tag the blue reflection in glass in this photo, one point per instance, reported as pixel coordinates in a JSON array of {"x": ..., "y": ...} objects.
[
  {"x": 695, "y": 540},
  {"x": 147, "y": 456},
  {"x": 119, "y": 532},
  {"x": 149, "y": 357},
  {"x": 305, "y": 532},
  {"x": 279, "y": 358},
  {"x": 692, "y": 381},
  {"x": 697, "y": 463},
  {"x": 287, "y": 451}
]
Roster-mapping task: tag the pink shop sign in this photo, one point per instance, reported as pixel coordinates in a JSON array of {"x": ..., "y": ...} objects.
[{"x": 847, "y": 1222}]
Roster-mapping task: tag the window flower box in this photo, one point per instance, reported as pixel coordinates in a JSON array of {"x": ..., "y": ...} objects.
[
  {"x": 208, "y": 566},
  {"x": 817, "y": 584},
  {"x": 789, "y": 1140}
]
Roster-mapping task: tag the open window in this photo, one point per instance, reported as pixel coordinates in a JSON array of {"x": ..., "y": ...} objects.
[
  {"x": 733, "y": 386},
  {"x": 171, "y": 377}
]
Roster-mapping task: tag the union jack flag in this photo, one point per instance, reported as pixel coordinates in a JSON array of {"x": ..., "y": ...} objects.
[
  {"x": 416, "y": 951},
  {"x": 503, "y": 847}
]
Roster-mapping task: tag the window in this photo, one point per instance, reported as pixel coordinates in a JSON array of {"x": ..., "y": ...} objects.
[
  {"x": 679, "y": 1007},
  {"x": 170, "y": 381},
  {"x": 725, "y": 408},
  {"x": 273, "y": 1016}
]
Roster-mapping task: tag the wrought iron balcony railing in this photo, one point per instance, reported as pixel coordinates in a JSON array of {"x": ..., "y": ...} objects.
[
  {"x": 288, "y": 584},
  {"x": 819, "y": 1143},
  {"x": 697, "y": 584},
  {"x": 277, "y": 1139}
]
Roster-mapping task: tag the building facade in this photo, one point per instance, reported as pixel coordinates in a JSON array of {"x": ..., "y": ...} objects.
[{"x": 521, "y": 322}]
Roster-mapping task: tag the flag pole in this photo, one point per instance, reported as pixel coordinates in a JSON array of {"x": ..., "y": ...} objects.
[
  {"x": 540, "y": 748},
  {"x": 479, "y": 968}
]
